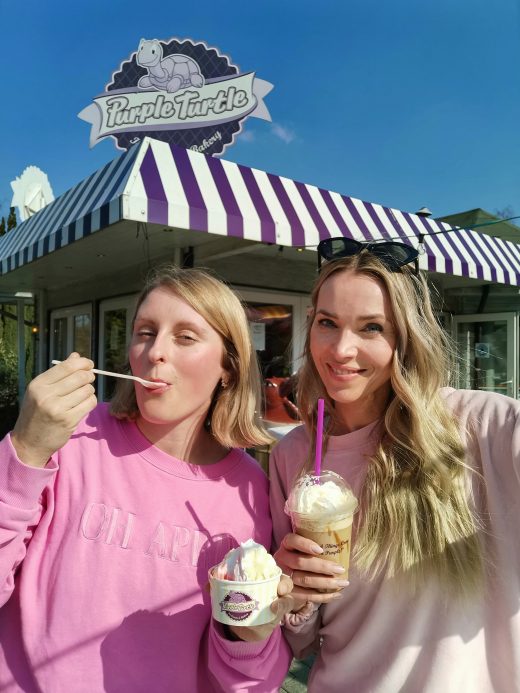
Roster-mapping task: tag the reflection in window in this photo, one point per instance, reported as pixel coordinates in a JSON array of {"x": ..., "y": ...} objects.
[
  {"x": 59, "y": 339},
  {"x": 271, "y": 330},
  {"x": 114, "y": 345},
  {"x": 483, "y": 346},
  {"x": 82, "y": 332}
]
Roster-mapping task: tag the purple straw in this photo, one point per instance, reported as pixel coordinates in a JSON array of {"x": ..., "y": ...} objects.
[{"x": 319, "y": 437}]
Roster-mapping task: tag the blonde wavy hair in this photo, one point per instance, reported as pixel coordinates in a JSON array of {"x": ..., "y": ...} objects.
[
  {"x": 233, "y": 417},
  {"x": 416, "y": 516}
]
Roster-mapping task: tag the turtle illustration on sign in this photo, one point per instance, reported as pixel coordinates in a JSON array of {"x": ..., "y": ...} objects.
[
  {"x": 179, "y": 91},
  {"x": 169, "y": 74}
]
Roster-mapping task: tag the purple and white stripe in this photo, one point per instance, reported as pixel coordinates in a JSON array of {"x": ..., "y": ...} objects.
[
  {"x": 86, "y": 208},
  {"x": 188, "y": 190},
  {"x": 158, "y": 183}
]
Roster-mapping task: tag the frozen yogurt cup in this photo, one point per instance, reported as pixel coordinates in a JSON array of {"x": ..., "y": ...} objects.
[{"x": 244, "y": 585}]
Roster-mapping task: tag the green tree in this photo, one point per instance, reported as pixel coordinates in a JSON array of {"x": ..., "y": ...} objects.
[
  {"x": 2, "y": 227},
  {"x": 505, "y": 213},
  {"x": 11, "y": 219},
  {"x": 8, "y": 375}
]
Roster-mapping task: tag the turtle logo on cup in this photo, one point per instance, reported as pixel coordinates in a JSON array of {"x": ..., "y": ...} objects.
[{"x": 238, "y": 605}]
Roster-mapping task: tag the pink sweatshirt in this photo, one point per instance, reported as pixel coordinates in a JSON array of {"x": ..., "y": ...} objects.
[
  {"x": 378, "y": 638},
  {"x": 104, "y": 556}
]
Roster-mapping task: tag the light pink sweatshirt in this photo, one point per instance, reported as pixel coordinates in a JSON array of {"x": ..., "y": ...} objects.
[
  {"x": 104, "y": 556},
  {"x": 378, "y": 638}
]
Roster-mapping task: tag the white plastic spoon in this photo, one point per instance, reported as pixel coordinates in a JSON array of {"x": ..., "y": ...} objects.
[{"x": 146, "y": 383}]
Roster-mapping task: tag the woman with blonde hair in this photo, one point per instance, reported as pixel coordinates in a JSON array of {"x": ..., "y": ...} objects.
[
  {"x": 433, "y": 598},
  {"x": 112, "y": 514}
]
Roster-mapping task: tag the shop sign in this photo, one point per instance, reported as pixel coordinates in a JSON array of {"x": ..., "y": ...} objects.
[
  {"x": 257, "y": 330},
  {"x": 178, "y": 91}
]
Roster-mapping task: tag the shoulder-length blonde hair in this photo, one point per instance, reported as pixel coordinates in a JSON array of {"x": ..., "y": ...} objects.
[
  {"x": 416, "y": 516},
  {"x": 233, "y": 416}
]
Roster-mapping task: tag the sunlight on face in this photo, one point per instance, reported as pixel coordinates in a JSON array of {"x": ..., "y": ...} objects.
[
  {"x": 173, "y": 343},
  {"x": 352, "y": 343}
]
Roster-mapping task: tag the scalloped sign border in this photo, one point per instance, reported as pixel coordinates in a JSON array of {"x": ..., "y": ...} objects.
[{"x": 177, "y": 91}]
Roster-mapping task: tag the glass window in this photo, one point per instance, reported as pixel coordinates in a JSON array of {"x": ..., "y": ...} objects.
[
  {"x": 483, "y": 346},
  {"x": 71, "y": 330},
  {"x": 59, "y": 338},
  {"x": 114, "y": 345},
  {"x": 271, "y": 329},
  {"x": 8, "y": 363},
  {"x": 82, "y": 332}
]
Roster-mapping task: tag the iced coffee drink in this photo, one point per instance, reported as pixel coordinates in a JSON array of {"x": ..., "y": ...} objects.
[{"x": 321, "y": 508}]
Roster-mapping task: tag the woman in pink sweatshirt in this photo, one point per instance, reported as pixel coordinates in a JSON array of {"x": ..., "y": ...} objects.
[
  {"x": 111, "y": 515},
  {"x": 433, "y": 604}
]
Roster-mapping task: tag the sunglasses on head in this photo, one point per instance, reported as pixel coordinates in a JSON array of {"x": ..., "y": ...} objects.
[{"x": 391, "y": 254}]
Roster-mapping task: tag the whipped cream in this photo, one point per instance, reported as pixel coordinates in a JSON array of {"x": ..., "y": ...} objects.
[
  {"x": 327, "y": 497},
  {"x": 249, "y": 561}
]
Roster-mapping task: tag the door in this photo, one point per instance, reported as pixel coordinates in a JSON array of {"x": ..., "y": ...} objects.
[
  {"x": 277, "y": 324},
  {"x": 71, "y": 330},
  {"x": 487, "y": 345},
  {"x": 115, "y": 317}
]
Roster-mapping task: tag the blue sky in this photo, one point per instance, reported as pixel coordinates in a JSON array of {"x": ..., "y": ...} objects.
[{"x": 405, "y": 103}]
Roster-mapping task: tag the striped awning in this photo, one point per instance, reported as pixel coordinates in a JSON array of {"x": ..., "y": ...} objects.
[
  {"x": 84, "y": 209},
  {"x": 163, "y": 184}
]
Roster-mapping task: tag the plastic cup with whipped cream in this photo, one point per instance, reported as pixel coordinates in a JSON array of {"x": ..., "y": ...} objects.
[
  {"x": 244, "y": 585},
  {"x": 321, "y": 508}
]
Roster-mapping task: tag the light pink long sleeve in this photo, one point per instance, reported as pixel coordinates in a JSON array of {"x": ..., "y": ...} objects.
[
  {"x": 379, "y": 638},
  {"x": 103, "y": 565}
]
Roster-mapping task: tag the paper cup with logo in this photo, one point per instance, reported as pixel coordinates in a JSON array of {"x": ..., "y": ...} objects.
[
  {"x": 244, "y": 603},
  {"x": 321, "y": 508}
]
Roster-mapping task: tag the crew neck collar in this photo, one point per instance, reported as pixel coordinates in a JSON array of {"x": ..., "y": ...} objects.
[
  {"x": 356, "y": 439},
  {"x": 172, "y": 465}
]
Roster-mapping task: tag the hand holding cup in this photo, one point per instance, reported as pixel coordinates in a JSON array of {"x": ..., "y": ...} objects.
[
  {"x": 249, "y": 594},
  {"x": 321, "y": 507},
  {"x": 314, "y": 578},
  {"x": 284, "y": 604}
]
